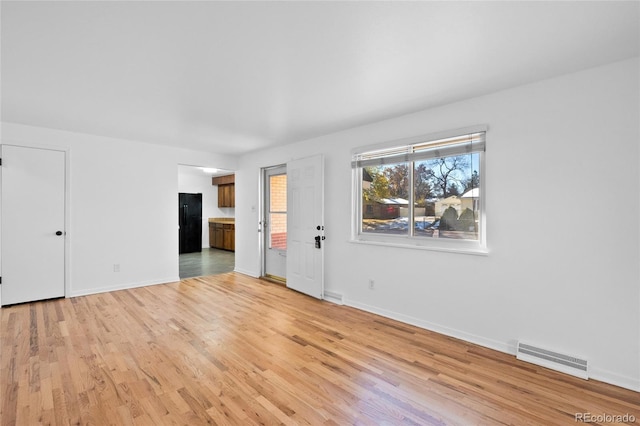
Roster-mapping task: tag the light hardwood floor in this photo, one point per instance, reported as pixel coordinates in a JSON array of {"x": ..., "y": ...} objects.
[{"x": 230, "y": 349}]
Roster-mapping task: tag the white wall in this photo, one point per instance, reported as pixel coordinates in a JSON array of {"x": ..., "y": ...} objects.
[
  {"x": 122, "y": 206},
  {"x": 566, "y": 280},
  {"x": 193, "y": 180}
]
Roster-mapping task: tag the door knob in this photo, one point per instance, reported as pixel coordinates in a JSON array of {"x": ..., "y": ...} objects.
[{"x": 58, "y": 233}]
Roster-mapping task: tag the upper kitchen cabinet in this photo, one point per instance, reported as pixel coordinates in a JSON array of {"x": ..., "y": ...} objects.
[
  {"x": 226, "y": 190},
  {"x": 226, "y": 195}
]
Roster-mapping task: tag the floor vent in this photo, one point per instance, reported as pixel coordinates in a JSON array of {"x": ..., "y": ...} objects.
[{"x": 564, "y": 363}]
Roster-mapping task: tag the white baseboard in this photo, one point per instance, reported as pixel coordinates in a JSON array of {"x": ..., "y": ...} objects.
[
  {"x": 601, "y": 375},
  {"x": 447, "y": 331},
  {"x": 125, "y": 286},
  {"x": 509, "y": 348},
  {"x": 333, "y": 297},
  {"x": 247, "y": 272}
]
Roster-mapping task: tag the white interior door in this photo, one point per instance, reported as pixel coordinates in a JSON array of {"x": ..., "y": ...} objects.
[
  {"x": 33, "y": 224},
  {"x": 305, "y": 226}
]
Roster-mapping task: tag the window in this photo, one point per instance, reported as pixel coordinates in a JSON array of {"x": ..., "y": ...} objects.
[
  {"x": 424, "y": 192},
  {"x": 278, "y": 212}
]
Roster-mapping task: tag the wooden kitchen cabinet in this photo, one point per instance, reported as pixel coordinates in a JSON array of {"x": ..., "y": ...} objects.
[
  {"x": 226, "y": 190},
  {"x": 212, "y": 234},
  {"x": 219, "y": 236},
  {"x": 229, "y": 237},
  {"x": 222, "y": 236},
  {"x": 227, "y": 195}
]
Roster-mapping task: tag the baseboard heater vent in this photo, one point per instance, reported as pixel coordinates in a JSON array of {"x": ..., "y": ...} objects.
[{"x": 560, "y": 362}]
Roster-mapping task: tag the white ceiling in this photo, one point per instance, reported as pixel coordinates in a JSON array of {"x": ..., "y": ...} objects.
[{"x": 238, "y": 76}]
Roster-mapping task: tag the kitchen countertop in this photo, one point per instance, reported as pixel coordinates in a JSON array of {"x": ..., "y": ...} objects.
[{"x": 222, "y": 220}]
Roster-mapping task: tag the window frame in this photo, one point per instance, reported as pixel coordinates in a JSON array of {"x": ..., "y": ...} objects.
[
  {"x": 478, "y": 247},
  {"x": 270, "y": 213}
]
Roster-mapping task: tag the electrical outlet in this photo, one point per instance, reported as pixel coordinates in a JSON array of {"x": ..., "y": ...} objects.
[
  {"x": 116, "y": 267},
  {"x": 371, "y": 283}
]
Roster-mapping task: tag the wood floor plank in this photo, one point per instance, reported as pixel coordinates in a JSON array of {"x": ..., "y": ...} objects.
[{"x": 233, "y": 350}]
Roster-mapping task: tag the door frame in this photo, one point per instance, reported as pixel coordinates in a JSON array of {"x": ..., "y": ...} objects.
[
  {"x": 262, "y": 217},
  {"x": 67, "y": 202}
]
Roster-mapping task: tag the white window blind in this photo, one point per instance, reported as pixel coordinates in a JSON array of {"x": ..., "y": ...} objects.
[{"x": 457, "y": 145}]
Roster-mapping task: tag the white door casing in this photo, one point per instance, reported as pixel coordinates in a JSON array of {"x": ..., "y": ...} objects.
[
  {"x": 305, "y": 223},
  {"x": 33, "y": 211}
]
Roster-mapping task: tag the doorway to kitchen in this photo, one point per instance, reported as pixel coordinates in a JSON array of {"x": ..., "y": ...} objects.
[
  {"x": 274, "y": 223},
  {"x": 205, "y": 259}
]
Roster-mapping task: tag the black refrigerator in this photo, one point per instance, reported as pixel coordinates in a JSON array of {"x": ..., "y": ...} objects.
[{"x": 190, "y": 222}]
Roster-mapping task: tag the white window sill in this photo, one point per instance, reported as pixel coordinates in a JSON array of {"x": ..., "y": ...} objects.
[{"x": 414, "y": 244}]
